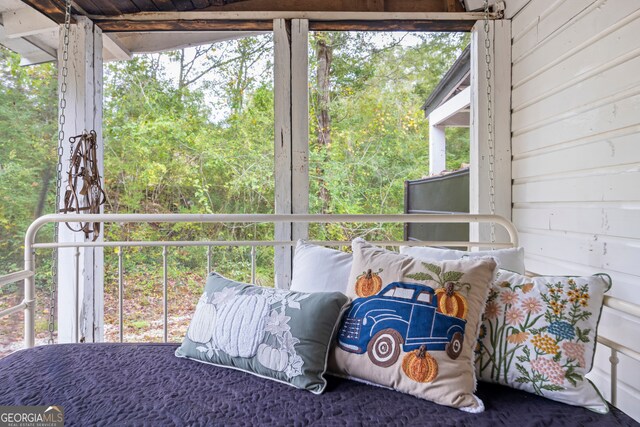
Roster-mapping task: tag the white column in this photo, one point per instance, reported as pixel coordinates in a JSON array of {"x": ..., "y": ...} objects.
[
  {"x": 479, "y": 182},
  {"x": 291, "y": 136},
  {"x": 282, "y": 148},
  {"x": 437, "y": 149},
  {"x": 83, "y": 112},
  {"x": 300, "y": 123}
]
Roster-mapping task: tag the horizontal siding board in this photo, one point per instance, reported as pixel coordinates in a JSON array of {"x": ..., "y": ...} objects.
[
  {"x": 604, "y": 221},
  {"x": 614, "y": 48},
  {"x": 606, "y": 118},
  {"x": 513, "y": 7},
  {"x": 621, "y": 80},
  {"x": 619, "y": 327},
  {"x": 600, "y": 154},
  {"x": 573, "y": 38},
  {"x": 601, "y": 252},
  {"x": 619, "y": 187},
  {"x": 529, "y": 16},
  {"x": 551, "y": 20},
  {"x": 625, "y": 286}
]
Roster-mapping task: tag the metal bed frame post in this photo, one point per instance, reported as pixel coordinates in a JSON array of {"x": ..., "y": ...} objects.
[
  {"x": 165, "y": 307},
  {"x": 29, "y": 295},
  {"x": 120, "y": 294}
]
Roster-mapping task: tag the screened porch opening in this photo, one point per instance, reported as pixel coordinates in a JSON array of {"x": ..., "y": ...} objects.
[{"x": 417, "y": 195}]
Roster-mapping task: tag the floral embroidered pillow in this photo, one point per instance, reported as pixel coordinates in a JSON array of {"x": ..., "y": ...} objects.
[
  {"x": 273, "y": 333},
  {"x": 413, "y": 325},
  {"x": 539, "y": 334}
]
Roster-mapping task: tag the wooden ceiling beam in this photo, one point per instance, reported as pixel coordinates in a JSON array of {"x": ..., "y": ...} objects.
[
  {"x": 343, "y": 5},
  {"x": 262, "y": 21},
  {"x": 392, "y": 25},
  {"x": 54, "y": 9},
  {"x": 128, "y": 26}
]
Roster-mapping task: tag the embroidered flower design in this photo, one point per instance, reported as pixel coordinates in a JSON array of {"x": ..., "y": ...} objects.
[
  {"x": 546, "y": 344},
  {"x": 223, "y": 296},
  {"x": 562, "y": 330},
  {"x": 508, "y": 297},
  {"x": 556, "y": 290},
  {"x": 492, "y": 310},
  {"x": 518, "y": 338},
  {"x": 288, "y": 342},
  {"x": 584, "y": 299},
  {"x": 294, "y": 368},
  {"x": 483, "y": 331},
  {"x": 575, "y": 351},
  {"x": 275, "y": 295},
  {"x": 514, "y": 316},
  {"x": 551, "y": 369},
  {"x": 209, "y": 349},
  {"x": 573, "y": 295},
  {"x": 277, "y": 323},
  {"x": 526, "y": 288},
  {"x": 531, "y": 305},
  {"x": 557, "y": 307}
]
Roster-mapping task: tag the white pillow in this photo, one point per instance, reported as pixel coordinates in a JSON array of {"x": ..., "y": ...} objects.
[
  {"x": 320, "y": 269},
  {"x": 511, "y": 259}
]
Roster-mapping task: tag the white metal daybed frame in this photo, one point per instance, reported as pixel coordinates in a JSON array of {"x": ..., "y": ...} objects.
[{"x": 29, "y": 272}]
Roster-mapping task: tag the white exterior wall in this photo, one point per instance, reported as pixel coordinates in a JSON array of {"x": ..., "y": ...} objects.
[{"x": 576, "y": 154}]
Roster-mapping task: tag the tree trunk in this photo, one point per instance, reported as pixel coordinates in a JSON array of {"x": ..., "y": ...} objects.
[
  {"x": 324, "y": 56},
  {"x": 44, "y": 190}
]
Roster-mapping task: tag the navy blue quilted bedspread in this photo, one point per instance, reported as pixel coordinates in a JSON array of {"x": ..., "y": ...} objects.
[{"x": 145, "y": 384}]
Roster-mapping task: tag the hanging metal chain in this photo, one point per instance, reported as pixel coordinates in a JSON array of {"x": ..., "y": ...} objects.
[
  {"x": 61, "y": 122},
  {"x": 490, "y": 141}
]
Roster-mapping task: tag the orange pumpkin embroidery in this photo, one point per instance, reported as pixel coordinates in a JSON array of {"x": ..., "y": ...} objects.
[
  {"x": 368, "y": 283},
  {"x": 451, "y": 302},
  {"x": 420, "y": 366}
]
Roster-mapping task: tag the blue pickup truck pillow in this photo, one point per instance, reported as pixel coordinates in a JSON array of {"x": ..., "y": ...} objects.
[
  {"x": 273, "y": 333},
  {"x": 413, "y": 325}
]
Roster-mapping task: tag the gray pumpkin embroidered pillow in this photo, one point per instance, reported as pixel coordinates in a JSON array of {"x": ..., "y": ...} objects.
[{"x": 274, "y": 333}]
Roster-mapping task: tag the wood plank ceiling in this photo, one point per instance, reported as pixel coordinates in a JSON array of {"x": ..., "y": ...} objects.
[{"x": 108, "y": 14}]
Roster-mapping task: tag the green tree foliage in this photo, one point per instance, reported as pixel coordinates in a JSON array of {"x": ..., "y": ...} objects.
[
  {"x": 28, "y": 125},
  {"x": 192, "y": 132},
  {"x": 379, "y": 136}
]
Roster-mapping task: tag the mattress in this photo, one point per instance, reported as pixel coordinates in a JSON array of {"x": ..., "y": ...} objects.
[{"x": 145, "y": 384}]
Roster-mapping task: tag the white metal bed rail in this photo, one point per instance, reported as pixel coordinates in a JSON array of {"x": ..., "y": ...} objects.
[{"x": 30, "y": 245}]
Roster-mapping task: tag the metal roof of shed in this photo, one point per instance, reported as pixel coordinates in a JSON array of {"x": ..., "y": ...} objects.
[{"x": 455, "y": 80}]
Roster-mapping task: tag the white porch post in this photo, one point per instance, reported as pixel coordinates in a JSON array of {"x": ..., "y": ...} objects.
[
  {"x": 453, "y": 113},
  {"x": 83, "y": 112},
  {"x": 282, "y": 148},
  {"x": 479, "y": 183},
  {"x": 291, "y": 136},
  {"x": 437, "y": 149},
  {"x": 300, "y": 123}
]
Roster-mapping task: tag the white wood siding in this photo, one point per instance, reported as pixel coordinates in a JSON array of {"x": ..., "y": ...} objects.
[{"x": 576, "y": 154}]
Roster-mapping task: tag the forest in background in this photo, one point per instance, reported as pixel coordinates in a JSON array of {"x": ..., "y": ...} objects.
[{"x": 191, "y": 131}]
